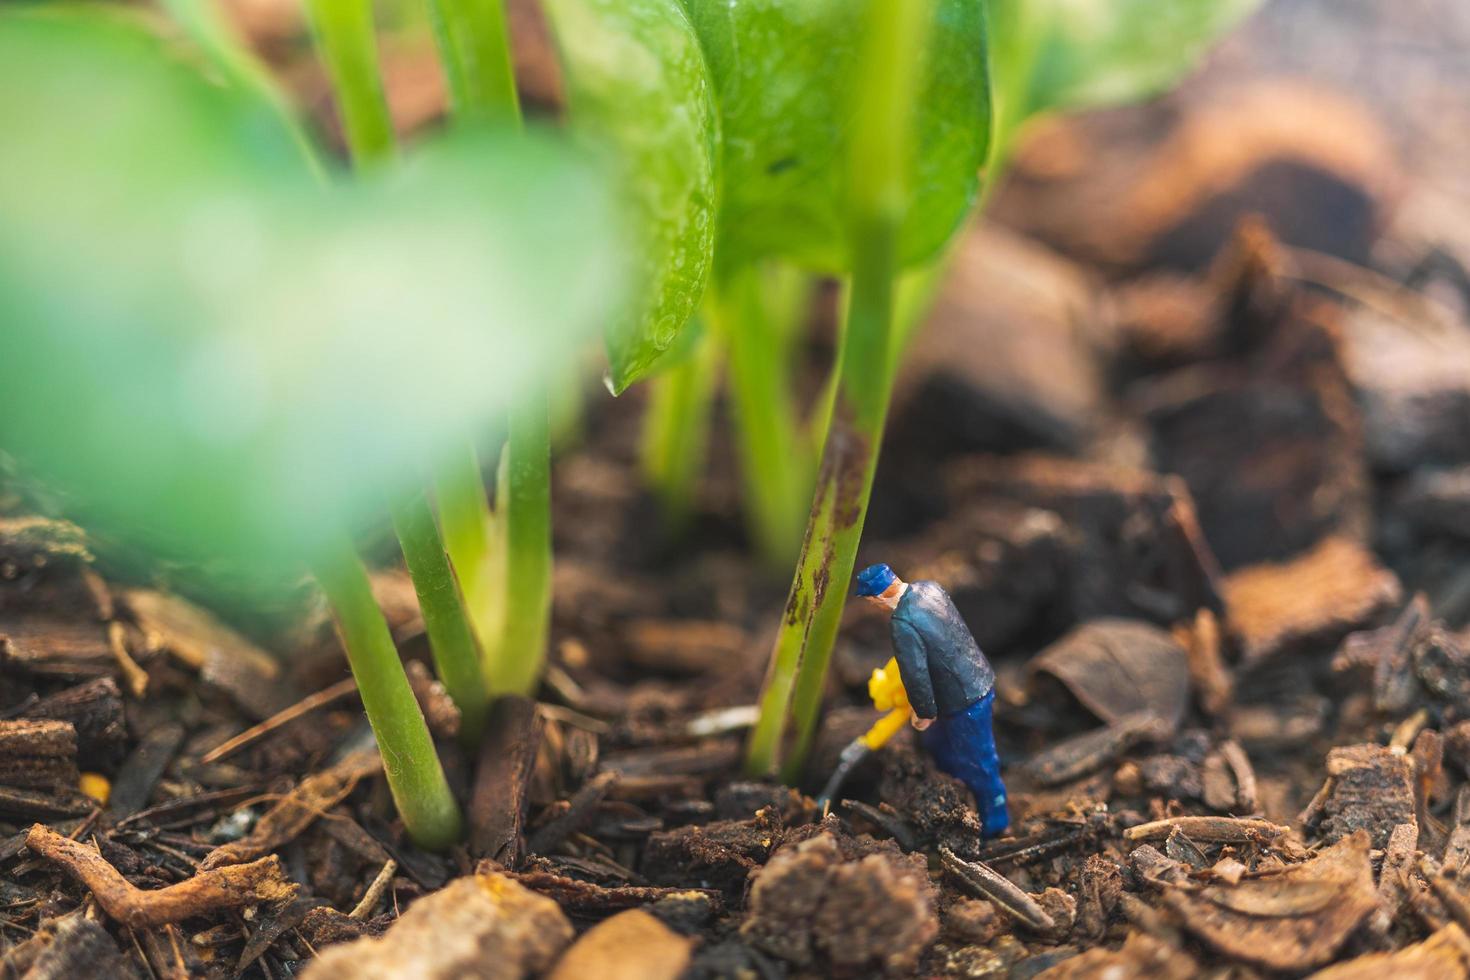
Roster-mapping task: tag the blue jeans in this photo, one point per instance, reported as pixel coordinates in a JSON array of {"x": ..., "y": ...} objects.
[{"x": 963, "y": 745}]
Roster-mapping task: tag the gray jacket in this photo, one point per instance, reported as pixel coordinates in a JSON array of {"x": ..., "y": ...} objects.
[{"x": 942, "y": 667}]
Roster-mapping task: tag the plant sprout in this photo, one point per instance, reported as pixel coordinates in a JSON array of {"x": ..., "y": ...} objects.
[
  {"x": 204, "y": 342},
  {"x": 1048, "y": 55}
]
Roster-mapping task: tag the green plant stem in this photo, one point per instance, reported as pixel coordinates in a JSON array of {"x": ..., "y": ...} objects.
[
  {"x": 676, "y": 428},
  {"x": 775, "y": 460},
  {"x": 474, "y": 46},
  {"x": 456, "y": 656},
  {"x": 415, "y": 777},
  {"x": 879, "y": 161},
  {"x": 467, "y": 523},
  {"x": 344, "y": 35},
  {"x": 512, "y": 610},
  {"x": 518, "y": 660}
]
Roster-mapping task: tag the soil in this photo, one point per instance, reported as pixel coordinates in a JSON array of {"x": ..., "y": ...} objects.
[{"x": 1197, "y": 474}]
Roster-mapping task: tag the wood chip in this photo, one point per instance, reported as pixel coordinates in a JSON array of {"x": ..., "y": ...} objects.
[
  {"x": 224, "y": 659},
  {"x": 209, "y": 891},
  {"x": 38, "y": 755},
  {"x": 497, "y": 811},
  {"x": 1368, "y": 787},
  {"x": 1119, "y": 667},
  {"x": 1443, "y": 956},
  {"x": 1316, "y": 597},
  {"x": 1289, "y": 921},
  {"x": 1085, "y": 753}
]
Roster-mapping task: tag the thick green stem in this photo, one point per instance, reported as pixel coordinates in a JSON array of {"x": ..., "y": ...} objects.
[
  {"x": 456, "y": 657},
  {"x": 414, "y": 775},
  {"x": 527, "y": 505},
  {"x": 474, "y": 47},
  {"x": 775, "y": 460},
  {"x": 676, "y": 428},
  {"x": 467, "y": 523},
  {"x": 879, "y": 161},
  {"x": 509, "y": 590},
  {"x": 345, "y": 37}
]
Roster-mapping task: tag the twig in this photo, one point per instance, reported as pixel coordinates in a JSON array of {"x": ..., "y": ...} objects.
[
  {"x": 313, "y": 796},
  {"x": 374, "y": 893},
  {"x": 1216, "y": 829},
  {"x": 307, "y": 704},
  {"x": 984, "y": 882},
  {"x": 135, "y": 676},
  {"x": 225, "y": 888}
]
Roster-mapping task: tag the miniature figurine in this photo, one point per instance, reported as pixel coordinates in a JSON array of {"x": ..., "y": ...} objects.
[{"x": 948, "y": 685}]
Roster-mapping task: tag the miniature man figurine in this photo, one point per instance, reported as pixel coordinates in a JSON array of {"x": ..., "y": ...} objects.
[{"x": 950, "y": 684}]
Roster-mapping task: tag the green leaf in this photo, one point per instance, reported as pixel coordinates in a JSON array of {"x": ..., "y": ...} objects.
[
  {"x": 1072, "y": 54},
  {"x": 637, "y": 86},
  {"x": 783, "y": 72},
  {"x": 216, "y": 353}
]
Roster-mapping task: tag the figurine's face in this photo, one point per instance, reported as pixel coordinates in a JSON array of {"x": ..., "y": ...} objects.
[{"x": 888, "y": 599}]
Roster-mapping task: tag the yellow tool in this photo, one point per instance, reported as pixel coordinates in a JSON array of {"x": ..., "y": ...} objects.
[{"x": 885, "y": 687}]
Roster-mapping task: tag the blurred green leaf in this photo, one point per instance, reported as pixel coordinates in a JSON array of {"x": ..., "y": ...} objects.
[
  {"x": 210, "y": 348},
  {"x": 783, "y": 72},
  {"x": 637, "y": 85},
  {"x": 1071, "y": 54}
]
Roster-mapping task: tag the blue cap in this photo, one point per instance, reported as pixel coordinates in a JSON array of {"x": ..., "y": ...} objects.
[{"x": 874, "y": 580}]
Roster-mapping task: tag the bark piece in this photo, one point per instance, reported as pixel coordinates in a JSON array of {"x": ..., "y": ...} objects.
[
  {"x": 1369, "y": 788},
  {"x": 55, "y": 646},
  {"x": 208, "y": 891},
  {"x": 142, "y": 769},
  {"x": 64, "y": 948},
  {"x": 1443, "y": 956},
  {"x": 297, "y": 810},
  {"x": 485, "y": 926},
  {"x": 1079, "y": 755},
  {"x": 38, "y": 755},
  {"x": 95, "y": 710},
  {"x": 1270, "y": 445},
  {"x": 1127, "y": 546},
  {"x": 811, "y": 906},
  {"x": 1289, "y": 921},
  {"x": 224, "y": 659},
  {"x": 632, "y": 945},
  {"x": 1141, "y": 955},
  {"x": 1317, "y": 597},
  {"x": 1166, "y": 183},
  {"x": 972, "y": 382},
  {"x": 588, "y": 900},
  {"x": 497, "y": 811},
  {"x": 1117, "y": 667}
]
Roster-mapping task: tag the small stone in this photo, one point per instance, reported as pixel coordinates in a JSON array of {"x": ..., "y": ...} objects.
[
  {"x": 972, "y": 921},
  {"x": 485, "y": 927}
]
